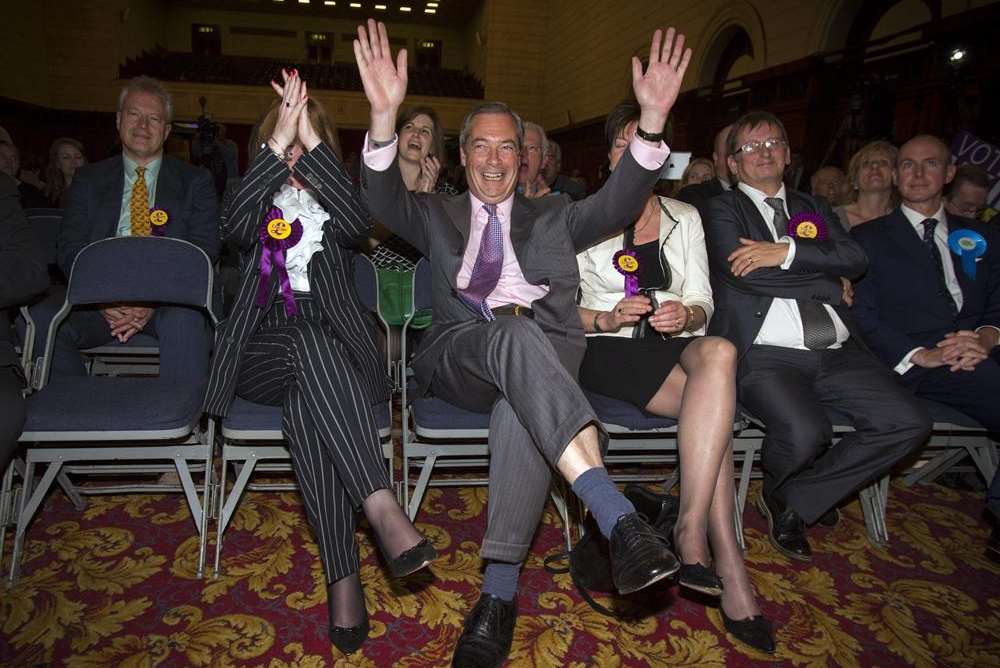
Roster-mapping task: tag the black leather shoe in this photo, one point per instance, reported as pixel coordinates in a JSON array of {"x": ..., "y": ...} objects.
[
  {"x": 349, "y": 639},
  {"x": 413, "y": 560},
  {"x": 786, "y": 530},
  {"x": 488, "y": 633},
  {"x": 699, "y": 578},
  {"x": 639, "y": 555},
  {"x": 754, "y": 631},
  {"x": 660, "y": 510},
  {"x": 830, "y": 518}
]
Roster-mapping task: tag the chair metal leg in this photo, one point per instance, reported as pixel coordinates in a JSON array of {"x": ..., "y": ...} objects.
[
  {"x": 422, "y": 482},
  {"x": 933, "y": 468},
  {"x": 7, "y": 515},
  {"x": 205, "y": 504},
  {"x": 28, "y": 508},
  {"x": 738, "y": 522},
  {"x": 219, "y": 524}
]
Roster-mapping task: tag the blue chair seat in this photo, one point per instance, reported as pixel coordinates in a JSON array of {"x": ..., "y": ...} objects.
[
  {"x": 113, "y": 404},
  {"x": 434, "y": 413},
  {"x": 248, "y": 416},
  {"x": 623, "y": 414},
  {"x": 943, "y": 413}
]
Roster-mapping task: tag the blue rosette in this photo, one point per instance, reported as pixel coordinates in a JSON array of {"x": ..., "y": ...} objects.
[{"x": 968, "y": 245}]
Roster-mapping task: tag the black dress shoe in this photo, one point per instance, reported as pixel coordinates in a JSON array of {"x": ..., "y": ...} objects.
[
  {"x": 699, "y": 578},
  {"x": 349, "y": 639},
  {"x": 488, "y": 633},
  {"x": 413, "y": 559},
  {"x": 830, "y": 518},
  {"x": 660, "y": 510},
  {"x": 754, "y": 631},
  {"x": 786, "y": 530},
  {"x": 639, "y": 555}
]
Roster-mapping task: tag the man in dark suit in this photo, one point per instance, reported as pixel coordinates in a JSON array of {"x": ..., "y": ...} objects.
[
  {"x": 781, "y": 293},
  {"x": 933, "y": 319},
  {"x": 697, "y": 194},
  {"x": 23, "y": 274},
  {"x": 140, "y": 192},
  {"x": 507, "y": 338}
]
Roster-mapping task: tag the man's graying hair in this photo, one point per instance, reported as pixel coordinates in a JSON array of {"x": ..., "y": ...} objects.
[
  {"x": 528, "y": 125},
  {"x": 491, "y": 108},
  {"x": 144, "y": 84}
]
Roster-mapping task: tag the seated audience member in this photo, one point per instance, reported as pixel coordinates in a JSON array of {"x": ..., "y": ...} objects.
[
  {"x": 530, "y": 180},
  {"x": 117, "y": 197},
  {"x": 931, "y": 315},
  {"x": 698, "y": 170},
  {"x": 697, "y": 194},
  {"x": 644, "y": 346},
  {"x": 829, "y": 183},
  {"x": 23, "y": 275},
  {"x": 307, "y": 346},
  {"x": 66, "y": 156},
  {"x": 966, "y": 194},
  {"x": 556, "y": 180},
  {"x": 869, "y": 175},
  {"x": 10, "y": 164},
  {"x": 421, "y": 151},
  {"x": 506, "y": 337},
  {"x": 780, "y": 266}
]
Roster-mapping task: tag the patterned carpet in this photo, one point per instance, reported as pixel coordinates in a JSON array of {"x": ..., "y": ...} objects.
[{"x": 114, "y": 586}]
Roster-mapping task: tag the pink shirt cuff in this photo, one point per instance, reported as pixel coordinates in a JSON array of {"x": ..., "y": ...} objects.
[
  {"x": 649, "y": 157},
  {"x": 379, "y": 159}
]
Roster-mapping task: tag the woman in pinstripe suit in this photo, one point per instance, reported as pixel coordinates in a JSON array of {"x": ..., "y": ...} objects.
[{"x": 299, "y": 339}]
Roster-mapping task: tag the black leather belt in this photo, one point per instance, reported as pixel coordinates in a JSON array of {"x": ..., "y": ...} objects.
[{"x": 513, "y": 309}]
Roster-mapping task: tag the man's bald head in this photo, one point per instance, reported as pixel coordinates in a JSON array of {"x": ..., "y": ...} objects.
[{"x": 927, "y": 141}]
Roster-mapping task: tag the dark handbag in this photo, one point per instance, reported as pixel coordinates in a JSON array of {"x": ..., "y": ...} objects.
[{"x": 589, "y": 565}]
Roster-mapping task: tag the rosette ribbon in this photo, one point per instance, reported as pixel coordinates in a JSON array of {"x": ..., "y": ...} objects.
[
  {"x": 627, "y": 264},
  {"x": 276, "y": 236},
  {"x": 967, "y": 245},
  {"x": 807, "y": 225},
  {"x": 158, "y": 219}
]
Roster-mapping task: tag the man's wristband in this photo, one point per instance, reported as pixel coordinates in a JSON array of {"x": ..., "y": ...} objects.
[{"x": 652, "y": 137}]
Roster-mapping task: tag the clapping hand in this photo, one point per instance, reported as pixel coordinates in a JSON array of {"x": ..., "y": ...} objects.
[
  {"x": 656, "y": 90},
  {"x": 384, "y": 81},
  {"x": 537, "y": 188},
  {"x": 293, "y": 101},
  {"x": 305, "y": 132},
  {"x": 430, "y": 167}
]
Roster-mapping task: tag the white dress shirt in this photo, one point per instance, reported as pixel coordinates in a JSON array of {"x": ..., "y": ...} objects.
[
  {"x": 783, "y": 322},
  {"x": 295, "y": 203}
]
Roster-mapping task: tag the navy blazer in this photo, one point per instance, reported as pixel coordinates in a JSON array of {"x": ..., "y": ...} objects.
[
  {"x": 901, "y": 305},
  {"x": 741, "y": 303},
  {"x": 94, "y": 202}
]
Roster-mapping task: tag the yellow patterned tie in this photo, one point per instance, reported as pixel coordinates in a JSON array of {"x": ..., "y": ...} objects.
[{"x": 139, "y": 206}]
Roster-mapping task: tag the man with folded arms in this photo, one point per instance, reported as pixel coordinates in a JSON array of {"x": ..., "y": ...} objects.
[
  {"x": 506, "y": 337},
  {"x": 779, "y": 265}
]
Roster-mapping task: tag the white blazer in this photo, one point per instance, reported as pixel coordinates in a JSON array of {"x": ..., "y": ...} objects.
[{"x": 682, "y": 243}]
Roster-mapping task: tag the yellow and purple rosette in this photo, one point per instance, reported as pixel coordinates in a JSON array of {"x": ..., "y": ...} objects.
[
  {"x": 968, "y": 245},
  {"x": 277, "y": 235},
  {"x": 158, "y": 219},
  {"x": 807, "y": 225},
  {"x": 627, "y": 264}
]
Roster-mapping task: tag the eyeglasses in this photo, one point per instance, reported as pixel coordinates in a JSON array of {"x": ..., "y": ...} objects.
[
  {"x": 754, "y": 146},
  {"x": 532, "y": 149}
]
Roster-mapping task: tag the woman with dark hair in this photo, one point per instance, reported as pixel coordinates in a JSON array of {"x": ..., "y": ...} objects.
[
  {"x": 421, "y": 151},
  {"x": 645, "y": 302},
  {"x": 298, "y": 338},
  {"x": 66, "y": 155}
]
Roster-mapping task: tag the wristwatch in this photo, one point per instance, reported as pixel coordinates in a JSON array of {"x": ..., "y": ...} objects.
[
  {"x": 283, "y": 156},
  {"x": 654, "y": 137}
]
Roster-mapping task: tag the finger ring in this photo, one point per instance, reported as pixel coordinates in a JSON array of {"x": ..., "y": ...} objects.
[
  {"x": 750, "y": 259},
  {"x": 288, "y": 104}
]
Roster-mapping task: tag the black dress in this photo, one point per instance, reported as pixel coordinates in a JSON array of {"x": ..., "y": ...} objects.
[{"x": 633, "y": 369}]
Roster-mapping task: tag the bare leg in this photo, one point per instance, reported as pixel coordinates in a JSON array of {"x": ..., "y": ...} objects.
[{"x": 582, "y": 454}]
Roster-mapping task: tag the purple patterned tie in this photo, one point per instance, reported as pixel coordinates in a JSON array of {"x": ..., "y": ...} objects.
[{"x": 489, "y": 262}]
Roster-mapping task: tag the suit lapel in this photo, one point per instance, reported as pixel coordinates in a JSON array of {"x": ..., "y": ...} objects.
[
  {"x": 522, "y": 218},
  {"x": 752, "y": 215},
  {"x": 109, "y": 194},
  {"x": 459, "y": 211},
  {"x": 902, "y": 233},
  {"x": 169, "y": 192}
]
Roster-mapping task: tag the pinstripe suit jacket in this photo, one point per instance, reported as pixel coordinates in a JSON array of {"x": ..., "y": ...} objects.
[{"x": 331, "y": 279}]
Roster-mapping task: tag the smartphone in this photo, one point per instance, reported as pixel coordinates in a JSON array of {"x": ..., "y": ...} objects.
[{"x": 673, "y": 168}]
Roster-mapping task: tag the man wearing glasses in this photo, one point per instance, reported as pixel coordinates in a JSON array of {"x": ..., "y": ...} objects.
[
  {"x": 780, "y": 269},
  {"x": 967, "y": 192},
  {"x": 530, "y": 180}
]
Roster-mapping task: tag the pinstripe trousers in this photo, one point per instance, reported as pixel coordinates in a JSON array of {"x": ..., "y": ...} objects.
[{"x": 298, "y": 364}]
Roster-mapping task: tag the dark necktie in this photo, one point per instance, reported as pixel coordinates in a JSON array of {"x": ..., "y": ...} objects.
[
  {"x": 932, "y": 248},
  {"x": 818, "y": 332},
  {"x": 489, "y": 263}
]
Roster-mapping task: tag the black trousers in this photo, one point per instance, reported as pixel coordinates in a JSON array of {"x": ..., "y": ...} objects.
[
  {"x": 791, "y": 391},
  {"x": 975, "y": 393},
  {"x": 296, "y": 363},
  {"x": 11, "y": 412}
]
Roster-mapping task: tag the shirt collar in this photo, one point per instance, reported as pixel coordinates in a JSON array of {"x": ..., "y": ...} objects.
[
  {"x": 503, "y": 208},
  {"x": 916, "y": 218},
  {"x": 758, "y": 196},
  {"x": 152, "y": 168}
]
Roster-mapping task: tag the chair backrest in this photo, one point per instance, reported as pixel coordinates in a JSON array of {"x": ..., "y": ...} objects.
[
  {"x": 366, "y": 281},
  {"x": 142, "y": 269},
  {"x": 45, "y": 224}
]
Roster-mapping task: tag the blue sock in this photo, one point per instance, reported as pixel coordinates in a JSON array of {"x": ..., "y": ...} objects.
[
  {"x": 500, "y": 579},
  {"x": 599, "y": 494}
]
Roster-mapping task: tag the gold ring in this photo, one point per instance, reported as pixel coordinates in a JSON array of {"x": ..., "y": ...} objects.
[{"x": 750, "y": 258}]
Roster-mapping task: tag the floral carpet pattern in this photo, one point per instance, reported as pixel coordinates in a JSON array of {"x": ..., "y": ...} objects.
[{"x": 114, "y": 585}]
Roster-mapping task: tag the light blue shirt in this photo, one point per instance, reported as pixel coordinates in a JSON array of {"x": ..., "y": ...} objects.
[{"x": 151, "y": 175}]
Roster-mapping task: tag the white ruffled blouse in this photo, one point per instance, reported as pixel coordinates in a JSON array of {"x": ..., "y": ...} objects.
[{"x": 295, "y": 203}]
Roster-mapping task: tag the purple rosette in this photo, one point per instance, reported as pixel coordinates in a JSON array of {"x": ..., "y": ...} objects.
[
  {"x": 276, "y": 236},
  {"x": 807, "y": 225},
  {"x": 626, "y": 263},
  {"x": 158, "y": 219}
]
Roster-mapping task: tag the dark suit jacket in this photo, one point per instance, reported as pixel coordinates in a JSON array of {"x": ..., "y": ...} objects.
[
  {"x": 741, "y": 304},
  {"x": 546, "y": 234},
  {"x": 331, "y": 271},
  {"x": 900, "y": 305},
  {"x": 23, "y": 271},
  {"x": 697, "y": 194},
  {"x": 94, "y": 203}
]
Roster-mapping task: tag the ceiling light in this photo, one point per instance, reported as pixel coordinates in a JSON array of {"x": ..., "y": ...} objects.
[
  {"x": 379, "y": 6},
  {"x": 957, "y": 55},
  {"x": 432, "y": 4},
  {"x": 303, "y": 2},
  {"x": 430, "y": 11},
  {"x": 330, "y": 3},
  {"x": 404, "y": 9},
  {"x": 355, "y": 5}
]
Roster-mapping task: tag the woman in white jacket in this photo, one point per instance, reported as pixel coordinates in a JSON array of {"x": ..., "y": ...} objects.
[{"x": 645, "y": 301}]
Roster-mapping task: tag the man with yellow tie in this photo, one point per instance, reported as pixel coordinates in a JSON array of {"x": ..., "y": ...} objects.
[{"x": 138, "y": 193}]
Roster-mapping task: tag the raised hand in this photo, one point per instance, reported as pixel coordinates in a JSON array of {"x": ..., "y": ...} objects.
[
  {"x": 656, "y": 89},
  {"x": 430, "y": 167},
  {"x": 537, "y": 188},
  {"x": 383, "y": 80},
  {"x": 293, "y": 101},
  {"x": 307, "y": 133}
]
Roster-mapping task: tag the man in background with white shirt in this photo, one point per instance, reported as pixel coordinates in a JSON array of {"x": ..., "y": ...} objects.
[{"x": 780, "y": 267}]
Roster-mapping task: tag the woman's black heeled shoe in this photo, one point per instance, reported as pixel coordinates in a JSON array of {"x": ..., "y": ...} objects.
[
  {"x": 413, "y": 559},
  {"x": 700, "y": 579},
  {"x": 753, "y": 631},
  {"x": 349, "y": 639}
]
